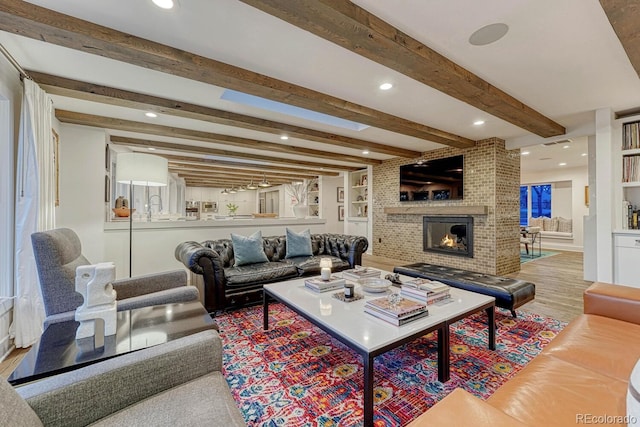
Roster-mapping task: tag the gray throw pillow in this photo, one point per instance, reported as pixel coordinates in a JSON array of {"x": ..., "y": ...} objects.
[
  {"x": 248, "y": 250},
  {"x": 298, "y": 244}
]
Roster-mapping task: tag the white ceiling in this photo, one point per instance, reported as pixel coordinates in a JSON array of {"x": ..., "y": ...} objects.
[{"x": 560, "y": 57}]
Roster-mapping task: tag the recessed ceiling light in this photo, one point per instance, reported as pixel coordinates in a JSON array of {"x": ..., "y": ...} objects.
[
  {"x": 365, "y": 151},
  {"x": 386, "y": 86},
  {"x": 151, "y": 149},
  {"x": 562, "y": 164},
  {"x": 525, "y": 153},
  {"x": 565, "y": 146},
  {"x": 478, "y": 122},
  {"x": 164, "y": 4},
  {"x": 488, "y": 34},
  {"x": 284, "y": 137},
  {"x": 150, "y": 114},
  {"x": 583, "y": 154}
]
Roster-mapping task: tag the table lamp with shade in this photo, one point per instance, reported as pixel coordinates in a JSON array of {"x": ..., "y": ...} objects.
[
  {"x": 325, "y": 268},
  {"x": 140, "y": 169}
]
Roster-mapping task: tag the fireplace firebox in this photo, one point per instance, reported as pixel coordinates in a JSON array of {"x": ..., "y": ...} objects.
[{"x": 450, "y": 235}]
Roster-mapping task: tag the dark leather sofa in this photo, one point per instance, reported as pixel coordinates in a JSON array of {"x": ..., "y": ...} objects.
[{"x": 226, "y": 286}]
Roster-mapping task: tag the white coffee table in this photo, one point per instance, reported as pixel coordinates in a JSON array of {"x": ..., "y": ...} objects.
[{"x": 370, "y": 336}]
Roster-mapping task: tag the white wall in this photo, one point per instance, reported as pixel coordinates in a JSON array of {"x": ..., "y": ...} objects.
[
  {"x": 82, "y": 171},
  {"x": 565, "y": 199},
  {"x": 10, "y": 102},
  {"x": 329, "y": 202}
]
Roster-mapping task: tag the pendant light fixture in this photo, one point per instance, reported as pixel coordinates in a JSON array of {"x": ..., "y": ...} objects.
[
  {"x": 224, "y": 191},
  {"x": 252, "y": 186},
  {"x": 264, "y": 183},
  {"x": 233, "y": 190}
]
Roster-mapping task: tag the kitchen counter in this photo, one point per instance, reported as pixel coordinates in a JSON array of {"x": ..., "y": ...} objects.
[{"x": 236, "y": 222}]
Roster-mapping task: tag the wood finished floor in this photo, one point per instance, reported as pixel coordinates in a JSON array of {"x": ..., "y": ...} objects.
[{"x": 558, "y": 280}]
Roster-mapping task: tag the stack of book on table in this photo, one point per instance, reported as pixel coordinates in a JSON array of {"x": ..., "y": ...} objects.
[
  {"x": 360, "y": 273},
  {"x": 316, "y": 284},
  {"x": 397, "y": 314},
  {"x": 425, "y": 291}
]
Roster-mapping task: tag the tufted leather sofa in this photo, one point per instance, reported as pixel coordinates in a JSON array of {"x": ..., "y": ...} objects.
[
  {"x": 581, "y": 377},
  {"x": 226, "y": 286}
]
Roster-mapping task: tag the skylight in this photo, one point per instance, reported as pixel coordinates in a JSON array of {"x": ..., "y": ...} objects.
[{"x": 279, "y": 107}]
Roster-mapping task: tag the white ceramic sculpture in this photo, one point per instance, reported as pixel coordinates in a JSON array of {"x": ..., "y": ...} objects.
[{"x": 93, "y": 282}]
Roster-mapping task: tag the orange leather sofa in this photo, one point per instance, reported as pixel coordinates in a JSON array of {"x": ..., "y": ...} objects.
[{"x": 581, "y": 377}]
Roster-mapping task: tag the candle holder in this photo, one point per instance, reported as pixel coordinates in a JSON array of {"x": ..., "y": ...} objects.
[{"x": 325, "y": 268}]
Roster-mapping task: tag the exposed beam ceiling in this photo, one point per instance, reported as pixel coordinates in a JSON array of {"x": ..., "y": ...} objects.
[
  {"x": 147, "y": 128},
  {"x": 357, "y": 30},
  {"x": 91, "y": 92},
  {"x": 236, "y": 174},
  {"x": 228, "y": 171},
  {"x": 199, "y": 161},
  {"x": 624, "y": 16},
  {"x": 234, "y": 179},
  {"x": 28, "y": 20},
  {"x": 145, "y": 143}
]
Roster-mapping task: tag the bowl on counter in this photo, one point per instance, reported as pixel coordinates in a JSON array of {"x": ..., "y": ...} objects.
[
  {"x": 374, "y": 284},
  {"x": 123, "y": 212}
]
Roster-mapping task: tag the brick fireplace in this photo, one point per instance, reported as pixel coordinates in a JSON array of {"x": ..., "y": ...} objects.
[{"x": 491, "y": 181}]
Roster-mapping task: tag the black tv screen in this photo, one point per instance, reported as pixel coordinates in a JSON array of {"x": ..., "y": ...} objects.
[{"x": 438, "y": 179}]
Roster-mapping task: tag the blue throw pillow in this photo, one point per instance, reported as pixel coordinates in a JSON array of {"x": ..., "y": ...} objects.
[
  {"x": 298, "y": 244},
  {"x": 248, "y": 250}
]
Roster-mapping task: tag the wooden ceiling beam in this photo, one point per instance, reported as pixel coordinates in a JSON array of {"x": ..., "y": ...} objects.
[
  {"x": 234, "y": 180},
  {"x": 198, "y": 182},
  {"x": 194, "y": 149},
  {"x": 187, "y": 160},
  {"x": 96, "y": 93},
  {"x": 624, "y": 16},
  {"x": 36, "y": 22},
  {"x": 352, "y": 27},
  {"x": 197, "y": 135},
  {"x": 243, "y": 177},
  {"x": 237, "y": 172}
]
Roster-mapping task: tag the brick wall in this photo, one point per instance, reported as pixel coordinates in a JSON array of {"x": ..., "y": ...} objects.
[{"x": 491, "y": 178}]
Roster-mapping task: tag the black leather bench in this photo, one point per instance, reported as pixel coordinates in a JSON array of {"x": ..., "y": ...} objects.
[{"x": 509, "y": 293}]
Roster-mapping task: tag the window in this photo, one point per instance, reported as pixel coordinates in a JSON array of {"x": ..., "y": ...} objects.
[{"x": 535, "y": 201}]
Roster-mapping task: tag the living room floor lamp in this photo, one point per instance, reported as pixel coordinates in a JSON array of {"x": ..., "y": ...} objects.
[{"x": 140, "y": 169}]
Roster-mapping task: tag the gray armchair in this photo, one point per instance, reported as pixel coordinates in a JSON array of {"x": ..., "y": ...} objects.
[
  {"x": 176, "y": 383},
  {"x": 58, "y": 253}
]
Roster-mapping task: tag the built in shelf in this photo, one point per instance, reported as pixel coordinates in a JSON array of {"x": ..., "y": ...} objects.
[{"x": 436, "y": 210}]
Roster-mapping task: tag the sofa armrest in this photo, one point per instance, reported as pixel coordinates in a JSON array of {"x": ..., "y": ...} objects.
[
  {"x": 461, "y": 408},
  {"x": 614, "y": 301},
  {"x": 83, "y": 396},
  {"x": 142, "y": 285},
  {"x": 206, "y": 262}
]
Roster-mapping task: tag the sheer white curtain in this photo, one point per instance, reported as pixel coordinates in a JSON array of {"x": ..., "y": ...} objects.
[{"x": 35, "y": 208}]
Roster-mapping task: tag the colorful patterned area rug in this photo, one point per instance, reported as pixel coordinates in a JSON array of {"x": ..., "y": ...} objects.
[{"x": 295, "y": 374}]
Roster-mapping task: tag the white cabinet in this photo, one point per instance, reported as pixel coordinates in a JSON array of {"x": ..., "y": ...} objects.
[
  {"x": 627, "y": 257},
  {"x": 357, "y": 227}
]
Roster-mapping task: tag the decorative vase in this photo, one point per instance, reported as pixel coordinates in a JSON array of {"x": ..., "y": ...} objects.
[{"x": 300, "y": 211}]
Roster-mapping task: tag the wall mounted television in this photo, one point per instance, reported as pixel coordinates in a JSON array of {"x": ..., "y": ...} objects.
[{"x": 437, "y": 179}]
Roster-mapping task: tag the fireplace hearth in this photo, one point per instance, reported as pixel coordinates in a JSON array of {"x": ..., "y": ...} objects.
[{"x": 449, "y": 235}]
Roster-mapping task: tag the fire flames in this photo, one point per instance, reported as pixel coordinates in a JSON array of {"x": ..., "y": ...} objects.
[{"x": 447, "y": 241}]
